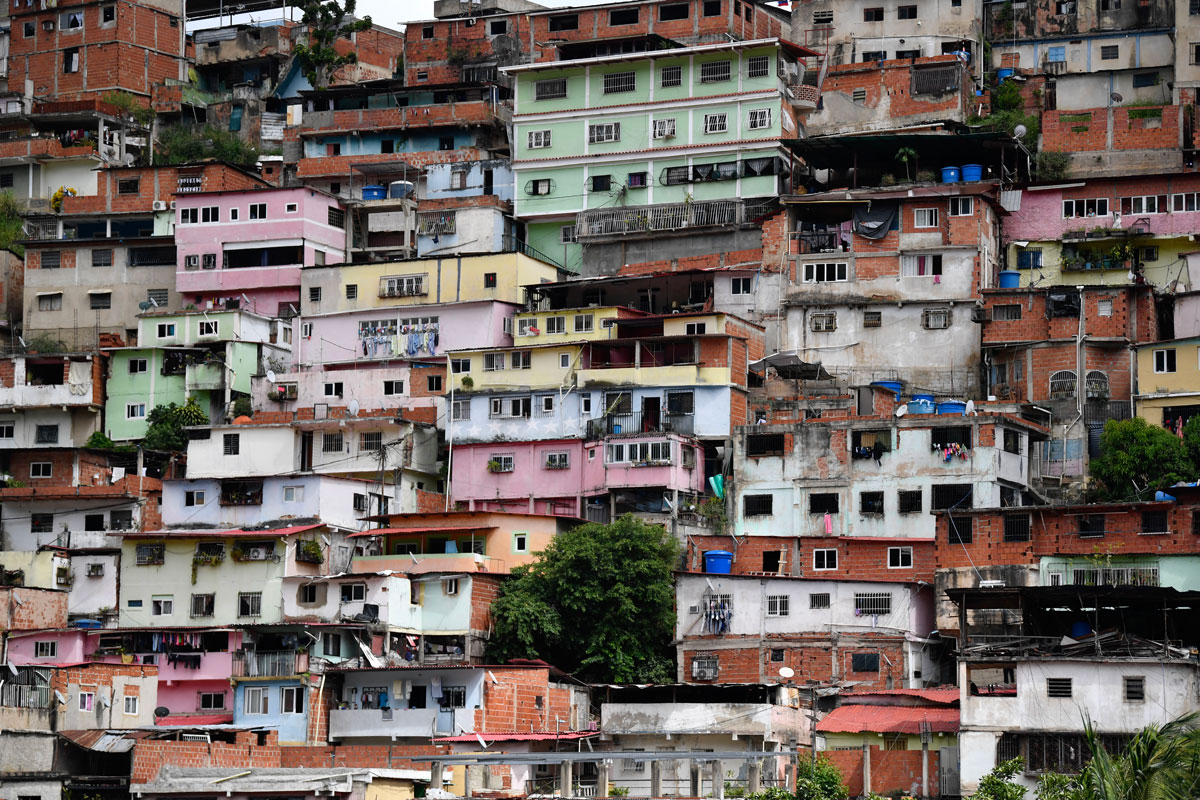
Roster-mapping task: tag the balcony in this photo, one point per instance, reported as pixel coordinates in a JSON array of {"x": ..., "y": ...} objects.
[
  {"x": 613, "y": 222},
  {"x": 20, "y": 696},
  {"x": 208, "y": 377},
  {"x": 804, "y": 96},
  {"x": 640, "y": 422},
  {"x": 410, "y": 290},
  {"x": 399, "y": 722},
  {"x": 269, "y": 664},
  {"x": 45, "y": 396},
  {"x": 804, "y": 243}
]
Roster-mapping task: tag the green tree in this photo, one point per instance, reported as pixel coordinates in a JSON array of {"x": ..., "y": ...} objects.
[
  {"x": 599, "y": 602},
  {"x": 12, "y": 227},
  {"x": 1136, "y": 458},
  {"x": 1161, "y": 762},
  {"x": 327, "y": 22},
  {"x": 820, "y": 781},
  {"x": 184, "y": 144},
  {"x": 999, "y": 784},
  {"x": 1191, "y": 440},
  {"x": 166, "y": 424}
]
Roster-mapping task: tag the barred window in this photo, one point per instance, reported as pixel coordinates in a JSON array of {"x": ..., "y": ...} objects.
[
  {"x": 617, "y": 82},
  {"x": 551, "y": 89},
  {"x": 818, "y": 600},
  {"x": 823, "y": 503},
  {"x": 755, "y": 505},
  {"x": 872, "y": 603},
  {"x": 952, "y": 495},
  {"x": 758, "y": 66},
  {"x": 911, "y": 501},
  {"x": 715, "y": 71},
  {"x": 959, "y": 530},
  {"x": 1017, "y": 528}
]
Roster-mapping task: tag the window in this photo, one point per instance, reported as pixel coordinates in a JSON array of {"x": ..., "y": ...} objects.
[
  {"x": 865, "y": 662},
  {"x": 135, "y": 411},
  {"x": 331, "y": 644},
  {"x": 208, "y": 327},
  {"x": 334, "y": 389},
  {"x": 818, "y": 600},
  {"x": 925, "y": 218},
  {"x": 249, "y": 604},
  {"x": 166, "y": 330},
  {"x": 1108, "y": 52},
  {"x": 825, "y": 559},
  {"x": 255, "y": 700},
  {"x": 823, "y": 503},
  {"x": 906, "y": 12},
  {"x": 695, "y": 328},
  {"x": 618, "y": 82},
  {"x": 637, "y": 180},
  {"x": 910, "y": 501},
  {"x": 138, "y": 366},
  {"x": 900, "y": 558},
  {"x": 541, "y": 186},
  {"x": 872, "y": 15},
  {"x": 758, "y": 505},
  {"x": 211, "y": 701},
  {"x": 1135, "y": 689},
  {"x": 623, "y": 16},
  {"x": 673, "y": 12},
  {"x": 604, "y": 132},
  {"x": 1144, "y": 80},
  {"x": 87, "y": 701},
  {"x": 1147, "y": 204},
  {"x": 498, "y": 27},
  {"x": 825, "y": 273},
  {"x": 760, "y": 118},
  {"x": 777, "y": 605},
  {"x": 962, "y": 206},
  {"x": 1189, "y": 201},
  {"x": 354, "y": 592},
  {"x": 292, "y": 700},
  {"x": 552, "y": 89},
  {"x": 258, "y": 211},
  {"x": 46, "y": 434},
  {"x": 450, "y": 587},
  {"x": 1017, "y": 528},
  {"x": 337, "y": 218},
  {"x": 935, "y": 319},
  {"x": 500, "y": 463},
  {"x": 715, "y": 71},
  {"x": 1164, "y": 360},
  {"x": 557, "y": 460},
  {"x": 948, "y": 495},
  {"x": 712, "y": 8},
  {"x": 1058, "y": 687},
  {"x": 493, "y": 362},
  {"x": 45, "y": 649},
  {"x": 522, "y": 359},
  {"x": 50, "y": 302},
  {"x": 7, "y": 428},
  {"x": 391, "y": 388},
  {"x": 584, "y": 323},
  {"x": 872, "y": 319},
  {"x": 765, "y": 444},
  {"x": 668, "y": 77},
  {"x": 601, "y": 183},
  {"x": 41, "y": 523},
  {"x": 741, "y": 286},
  {"x": 823, "y": 322},
  {"x": 203, "y": 605},
  {"x": 232, "y": 444},
  {"x": 332, "y": 442},
  {"x": 564, "y": 22},
  {"x": 30, "y": 29},
  {"x": 41, "y": 469},
  {"x": 427, "y": 32},
  {"x": 149, "y": 554},
  {"x": 758, "y": 67},
  {"x": 535, "y": 140},
  {"x": 1155, "y": 522},
  {"x": 870, "y": 503},
  {"x": 433, "y": 383},
  {"x": 716, "y": 123},
  {"x": 923, "y": 266},
  {"x": 1090, "y": 526},
  {"x": 1148, "y": 253},
  {"x": 370, "y": 442},
  {"x": 71, "y": 60},
  {"x": 162, "y": 605},
  {"x": 1094, "y": 207},
  {"x": 823, "y": 18},
  {"x": 873, "y": 603}
]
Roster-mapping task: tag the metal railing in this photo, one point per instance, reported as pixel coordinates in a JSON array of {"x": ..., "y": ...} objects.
[
  {"x": 640, "y": 422},
  {"x": 666, "y": 217},
  {"x": 514, "y": 245},
  {"x": 814, "y": 242},
  {"x": 19, "y": 696},
  {"x": 269, "y": 664},
  {"x": 1115, "y": 576}
]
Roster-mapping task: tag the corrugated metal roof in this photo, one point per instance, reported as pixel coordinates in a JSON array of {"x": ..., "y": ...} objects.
[
  {"x": 207, "y": 534},
  {"x": 425, "y": 529},
  {"x": 106, "y": 741},
  {"x": 946, "y": 695},
  {"x": 518, "y": 737},
  {"x": 889, "y": 719}
]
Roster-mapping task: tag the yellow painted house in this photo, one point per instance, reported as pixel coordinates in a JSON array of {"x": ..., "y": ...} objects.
[{"x": 1168, "y": 381}]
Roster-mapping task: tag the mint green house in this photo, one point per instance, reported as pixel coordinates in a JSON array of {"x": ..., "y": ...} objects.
[
  {"x": 653, "y": 144},
  {"x": 209, "y": 355}
]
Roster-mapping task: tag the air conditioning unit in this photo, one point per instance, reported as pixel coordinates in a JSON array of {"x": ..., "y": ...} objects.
[
  {"x": 471, "y": 22},
  {"x": 256, "y": 554},
  {"x": 172, "y": 205},
  {"x": 979, "y": 314},
  {"x": 95, "y": 570},
  {"x": 704, "y": 674},
  {"x": 991, "y": 584},
  {"x": 160, "y": 205},
  {"x": 693, "y": 609}
]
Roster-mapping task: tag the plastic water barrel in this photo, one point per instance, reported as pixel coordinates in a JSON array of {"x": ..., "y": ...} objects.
[
  {"x": 1080, "y": 630},
  {"x": 719, "y": 562},
  {"x": 951, "y": 407},
  {"x": 1004, "y": 73},
  {"x": 951, "y": 175},
  {"x": 921, "y": 404},
  {"x": 972, "y": 172},
  {"x": 399, "y": 189},
  {"x": 1010, "y": 279},
  {"x": 895, "y": 386},
  {"x": 374, "y": 192}
]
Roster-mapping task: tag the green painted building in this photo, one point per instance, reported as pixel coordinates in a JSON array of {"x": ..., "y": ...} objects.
[
  {"x": 652, "y": 144},
  {"x": 209, "y": 355}
]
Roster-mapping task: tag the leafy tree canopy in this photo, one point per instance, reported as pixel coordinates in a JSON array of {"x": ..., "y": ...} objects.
[
  {"x": 327, "y": 21},
  {"x": 166, "y": 423},
  {"x": 1137, "y": 458},
  {"x": 598, "y": 602},
  {"x": 182, "y": 144}
]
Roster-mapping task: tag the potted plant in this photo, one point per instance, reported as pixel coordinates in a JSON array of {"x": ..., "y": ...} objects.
[
  {"x": 494, "y": 466},
  {"x": 309, "y": 550},
  {"x": 468, "y": 382}
]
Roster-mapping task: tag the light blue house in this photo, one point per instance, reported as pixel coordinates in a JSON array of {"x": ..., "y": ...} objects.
[{"x": 278, "y": 703}]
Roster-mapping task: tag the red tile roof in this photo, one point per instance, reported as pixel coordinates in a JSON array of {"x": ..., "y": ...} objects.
[
  {"x": 943, "y": 695},
  {"x": 889, "y": 719}
]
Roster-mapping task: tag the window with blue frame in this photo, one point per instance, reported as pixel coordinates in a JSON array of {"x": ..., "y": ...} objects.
[
  {"x": 1143, "y": 79},
  {"x": 1056, "y": 53},
  {"x": 1029, "y": 259}
]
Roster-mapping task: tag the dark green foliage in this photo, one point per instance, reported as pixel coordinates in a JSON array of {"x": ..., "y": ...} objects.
[
  {"x": 822, "y": 781},
  {"x": 188, "y": 144},
  {"x": 12, "y": 229},
  {"x": 242, "y": 407},
  {"x": 326, "y": 21},
  {"x": 1051, "y": 166},
  {"x": 599, "y": 602},
  {"x": 1161, "y": 762},
  {"x": 999, "y": 784},
  {"x": 166, "y": 425},
  {"x": 1137, "y": 458}
]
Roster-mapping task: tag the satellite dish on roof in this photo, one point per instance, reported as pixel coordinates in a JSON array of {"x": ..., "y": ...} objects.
[
  {"x": 271, "y": 375},
  {"x": 353, "y": 408},
  {"x": 787, "y": 672},
  {"x": 162, "y": 711},
  {"x": 144, "y": 305},
  {"x": 902, "y": 410},
  {"x": 1020, "y": 131},
  {"x": 1116, "y": 97}
]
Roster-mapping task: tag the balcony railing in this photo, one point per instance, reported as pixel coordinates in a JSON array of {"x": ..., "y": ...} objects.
[
  {"x": 667, "y": 217},
  {"x": 270, "y": 664},
  {"x": 18, "y": 696},
  {"x": 403, "y": 291},
  {"x": 640, "y": 422},
  {"x": 815, "y": 242},
  {"x": 1116, "y": 576},
  {"x": 514, "y": 245}
]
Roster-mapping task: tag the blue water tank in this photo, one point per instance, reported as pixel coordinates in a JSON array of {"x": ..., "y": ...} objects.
[
  {"x": 972, "y": 172},
  {"x": 374, "y": 192},
  {"x": 951, "y": 175},
  {"x": 1080, "y": 630},
  {"x": 1004, "y": 73},
  {"x": 895, "y": 386},
  {"x": 719, "y": 562},
  {"x": 1010, "y": 279},
  {"x": 921, "y": 404},
  {"x": 951, "y": 407}
]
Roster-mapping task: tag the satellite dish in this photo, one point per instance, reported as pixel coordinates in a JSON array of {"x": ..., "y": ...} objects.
[
  {"x": 144, "y": 305},
  {"x": 271, "y": 375},
  {"x": 1020, "y": 131},
  {"x": 162, "y": 711},
  {"x": 786, "y": 673},
  {"x": 353, "y": 408},
  {"x": 1116, "y": 97},
  {"x": 970, "y": 409},
  {"x": 902, "y": 410}
]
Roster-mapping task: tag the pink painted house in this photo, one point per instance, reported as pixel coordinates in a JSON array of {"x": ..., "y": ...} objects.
[
  {"x": 235, "y": 246},
  {"x": 641, "y": 473}
]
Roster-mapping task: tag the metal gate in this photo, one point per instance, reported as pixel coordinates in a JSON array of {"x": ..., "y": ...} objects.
[{"x": 948, "y": 772}]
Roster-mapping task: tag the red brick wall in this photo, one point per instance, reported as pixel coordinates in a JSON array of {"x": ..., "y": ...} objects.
[
  {"x": 813, "y": 655},
  {"x": 39, "y": 608},
  {"x": 155, "y": 183},
  {"x": 484, "y": 591},
  {"x": 891, "y": 770},
  {"x": 512, "y": 703},
  {"x": 859, "y": 559},
  {"x": 894, "y": 82},
  {"x": 1091, "y": 134}
]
